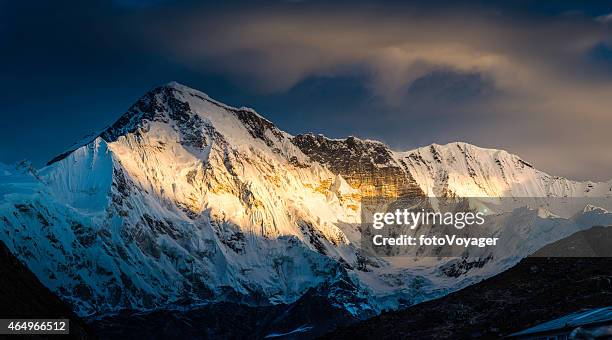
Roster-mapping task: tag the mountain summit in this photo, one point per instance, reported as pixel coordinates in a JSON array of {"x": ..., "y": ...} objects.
[{"x": 185, "y": 200}]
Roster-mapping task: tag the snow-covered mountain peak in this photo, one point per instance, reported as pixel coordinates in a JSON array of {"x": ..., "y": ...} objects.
[
  {"x": 450, "y": 151},
  {"x": 197, "y": 93},
  {"x": 195, "y": 119},
  {"x": 183, "y": 88},
  {"x": 185, "y": 199}
]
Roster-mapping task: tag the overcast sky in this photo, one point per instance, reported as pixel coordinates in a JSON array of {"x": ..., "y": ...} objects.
[{"x": 534, "y": 79}]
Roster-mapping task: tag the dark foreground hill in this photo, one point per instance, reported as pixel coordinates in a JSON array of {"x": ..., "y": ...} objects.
[
  {"x": 310, "y": 316},
  {"x": 22, "y": 295},
  {"x": 535, "y": 290}
]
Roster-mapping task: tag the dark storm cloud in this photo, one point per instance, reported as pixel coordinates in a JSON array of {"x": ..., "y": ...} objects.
[
  {"x": 535, "y": 79},
  {"x": 544, "y": 96}
]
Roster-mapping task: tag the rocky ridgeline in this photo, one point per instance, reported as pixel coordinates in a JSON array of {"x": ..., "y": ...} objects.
[{"x": 368, "y": 166}]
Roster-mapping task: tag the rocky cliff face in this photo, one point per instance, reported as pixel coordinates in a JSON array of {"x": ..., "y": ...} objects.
[{"x": 368, "y": 166}]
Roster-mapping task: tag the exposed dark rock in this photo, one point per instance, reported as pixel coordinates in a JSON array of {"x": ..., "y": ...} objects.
[
  {"x": 258, "y": 126},
  {"x": 456, "y": 269},
  {"x": 366, "y": 165}
]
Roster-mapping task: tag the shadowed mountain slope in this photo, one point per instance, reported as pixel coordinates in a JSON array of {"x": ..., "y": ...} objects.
[
  {"x": 23, "y": 296},
  {"x": 534, "y": 291}
]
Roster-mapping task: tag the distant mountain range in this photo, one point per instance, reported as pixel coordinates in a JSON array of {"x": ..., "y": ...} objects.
[{"x": 185, "y": 202}]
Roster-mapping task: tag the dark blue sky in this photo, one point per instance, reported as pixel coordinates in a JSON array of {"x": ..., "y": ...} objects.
[{"x": 71, "y": 68}]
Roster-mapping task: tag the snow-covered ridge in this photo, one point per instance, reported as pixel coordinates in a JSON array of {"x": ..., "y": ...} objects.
[
  {"x": 465, "y": 170},
  {"x": 454, "y": 169}
]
